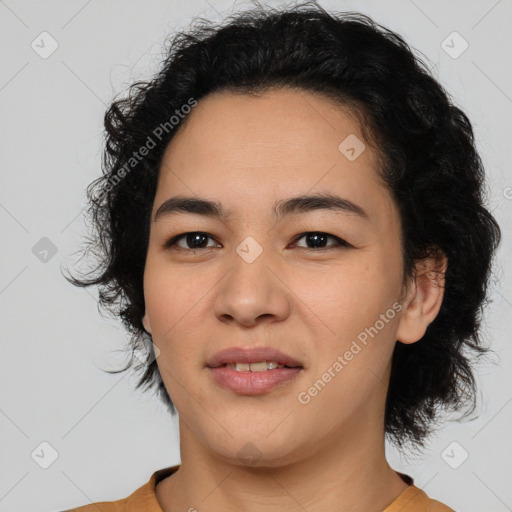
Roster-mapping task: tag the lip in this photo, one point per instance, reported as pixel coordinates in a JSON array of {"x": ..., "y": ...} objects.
[
  {"x": 252, "y": 383},
  {"x": 251, "y": 355},
  {"x": 248, "y": 382}
]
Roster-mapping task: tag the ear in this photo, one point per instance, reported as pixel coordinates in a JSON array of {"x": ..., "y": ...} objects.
[
  {"x": 145, "y": 323},
  {"x": 424, "y": 297}
]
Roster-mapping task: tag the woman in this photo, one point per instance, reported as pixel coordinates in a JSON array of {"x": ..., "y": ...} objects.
[{"x": 291, "y": 221}]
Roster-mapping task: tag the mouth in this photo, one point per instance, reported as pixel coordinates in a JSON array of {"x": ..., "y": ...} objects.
[
  {"x": 261, "y": 366},
  {"x": 254, "y": 359},
  {"x": 253, "y": 371}
]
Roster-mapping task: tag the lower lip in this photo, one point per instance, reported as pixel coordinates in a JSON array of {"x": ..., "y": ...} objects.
[{"x": 252, "y": 383}]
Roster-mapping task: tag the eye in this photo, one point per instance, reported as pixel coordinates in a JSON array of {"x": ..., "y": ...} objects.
[
  {"x": 196, "y": 240},
  {"x": 317, "y": 239}
]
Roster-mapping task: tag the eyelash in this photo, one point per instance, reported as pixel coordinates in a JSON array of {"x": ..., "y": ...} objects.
[{"x": 339, "y": 241}]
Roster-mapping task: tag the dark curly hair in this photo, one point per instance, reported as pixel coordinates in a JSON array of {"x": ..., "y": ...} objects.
[{"x": 427, "y": 156}]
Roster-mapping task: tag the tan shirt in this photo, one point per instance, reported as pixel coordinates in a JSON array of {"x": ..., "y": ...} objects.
[{"x": 144, "y": 499}]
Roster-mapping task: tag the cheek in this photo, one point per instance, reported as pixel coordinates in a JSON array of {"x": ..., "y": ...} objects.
[
  {"x": 349, "y": 296},
  {"x": 173, "y": 306},
  {"x": 352, "y": 360},
  {"x": 355, "y": 336},
  {"x": 171, "y": 297}
]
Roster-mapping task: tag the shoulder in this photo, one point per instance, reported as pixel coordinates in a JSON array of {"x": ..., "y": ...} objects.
[
  {"x": 144, "y": 498},
  {"x": 414, "y": 499}
]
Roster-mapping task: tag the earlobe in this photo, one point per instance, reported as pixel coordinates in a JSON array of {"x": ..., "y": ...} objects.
[
  {"x": 145, "y": 323},
  {"x": 424, "y": 298}
]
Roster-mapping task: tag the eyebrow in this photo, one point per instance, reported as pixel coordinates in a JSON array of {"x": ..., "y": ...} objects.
[{"x": 282, "y": 208}]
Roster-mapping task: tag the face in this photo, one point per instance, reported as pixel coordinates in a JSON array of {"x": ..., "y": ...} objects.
[{"x": 320, "y": 284}]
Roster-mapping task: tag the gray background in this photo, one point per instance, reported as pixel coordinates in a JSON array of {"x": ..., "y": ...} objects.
[{"x": 109, "y": 438}]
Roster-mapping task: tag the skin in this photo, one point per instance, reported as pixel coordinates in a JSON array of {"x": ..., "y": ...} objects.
[{"x": 311, "y": 303}]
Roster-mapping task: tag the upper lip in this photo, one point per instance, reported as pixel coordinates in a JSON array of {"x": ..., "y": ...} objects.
[{"x": 251, "y": 355}]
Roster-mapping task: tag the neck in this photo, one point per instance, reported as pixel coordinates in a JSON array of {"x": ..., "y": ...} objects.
[{"x": 351, "y": 474}]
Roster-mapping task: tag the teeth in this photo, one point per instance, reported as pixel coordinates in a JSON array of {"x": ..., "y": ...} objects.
[
  {"x": 258, "y": 367},
  {"x": 254, "y": 367}
]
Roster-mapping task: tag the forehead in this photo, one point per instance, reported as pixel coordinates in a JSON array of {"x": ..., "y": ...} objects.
[
  {"x": 246, "y": 150},
  {"x": 287, "y": 124}
]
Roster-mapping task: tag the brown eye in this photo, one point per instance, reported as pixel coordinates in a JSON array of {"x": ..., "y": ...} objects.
[
  {"x": 318, "y": 239},
  {"x": 193, "y": 240}
]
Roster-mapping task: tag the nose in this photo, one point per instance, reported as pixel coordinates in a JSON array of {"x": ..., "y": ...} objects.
[{"x": 252, "y": 293}]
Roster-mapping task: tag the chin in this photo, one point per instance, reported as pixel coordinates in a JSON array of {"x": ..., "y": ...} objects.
[{"x": 258, "y": 451}]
